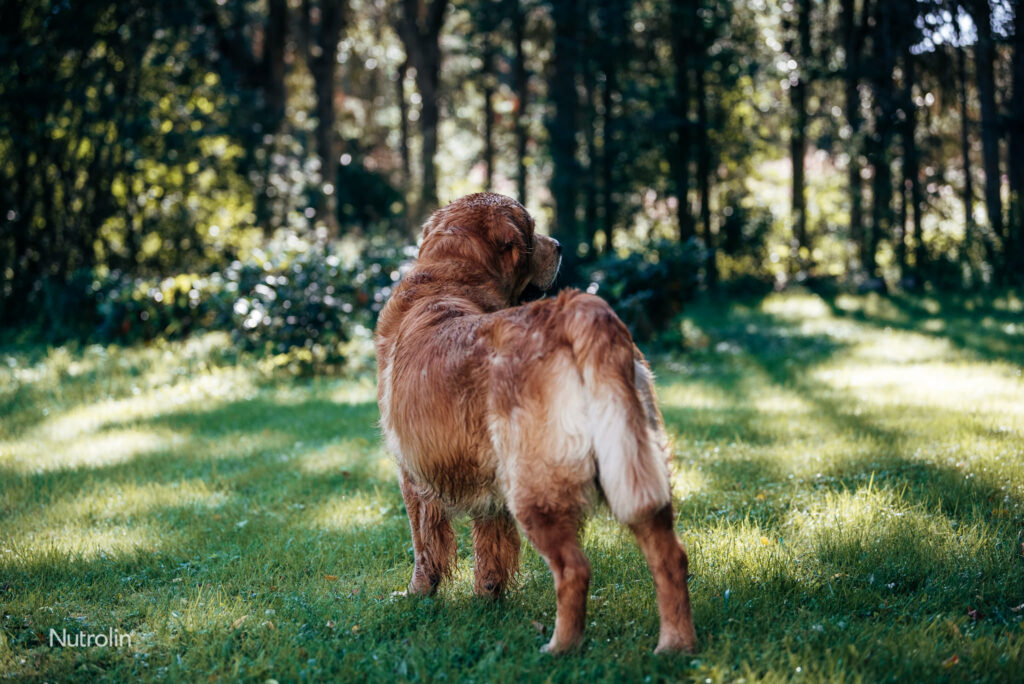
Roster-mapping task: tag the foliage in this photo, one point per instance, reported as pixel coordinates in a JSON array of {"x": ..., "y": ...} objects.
[
  {"x": 299, "y": 302},
  {"x": 647, "y": 289}
]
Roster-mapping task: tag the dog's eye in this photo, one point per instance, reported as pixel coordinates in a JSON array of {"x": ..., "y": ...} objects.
[{"x": 509, "y": 244}]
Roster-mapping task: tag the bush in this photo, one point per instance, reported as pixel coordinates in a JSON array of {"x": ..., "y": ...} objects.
[
  {"x": 648, "y": 290},
  {"x": 298, "y": 302}
]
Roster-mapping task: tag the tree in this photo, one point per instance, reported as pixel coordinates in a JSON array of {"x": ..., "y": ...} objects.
[
  {"x": 612, "y": 28},
  {"x": 984, "y": 59},
  {"x": 419, "y": 27},
  {"x": 911, "y": 167},
  {"x": 264, "y": 73},
  {"x": 880, "y": 144},
  {"x": 799, "y": 83},
  {"x": 1015, "y": 242},
  {"x": 853, "y": 44},
  {"x": 520, "y": 84},
  {"x": 321, "y": 27},
  {"x": 683, "y": 17},
  {"x": 562, "y": 127}
]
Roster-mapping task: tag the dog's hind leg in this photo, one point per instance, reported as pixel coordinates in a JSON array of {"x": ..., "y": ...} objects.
[
  {"x": 668, "y": 563},
  {"x": 555, "y": 534},
  {"x": 495, "y": 553},
  {"x": 433, "y": 540}
]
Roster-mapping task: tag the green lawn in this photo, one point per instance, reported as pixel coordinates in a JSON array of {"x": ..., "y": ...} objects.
[{"x": 849, "y": 481}]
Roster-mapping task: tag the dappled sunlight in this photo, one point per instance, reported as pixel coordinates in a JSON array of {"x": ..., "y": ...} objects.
[
  {"x": 359, "y": 392},
  {"x": 798, "y": 307},
  {"x": 865, "y": 508},
  {"x": 197, "y": 392},
  {"x": 901, "y": 347},
  {"x": 110, "y": 518},
  {"x": 968, "y": 389},
  {"x": 85, "y": 451},
  {"x": 82, "y": 540},
  {"x": 870, "y": 305},
  {"x": 351, "y": 457},
  {"x": 781, "y": 402},
  {"x": 826, "y": 471},
  {"x": 694, "y": 395},
  {"x": 360, "y": 510},
  {"x": 687, "y": 481}
]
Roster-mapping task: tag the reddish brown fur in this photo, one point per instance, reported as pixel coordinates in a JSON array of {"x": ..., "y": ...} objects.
[{"x": 476, "y": 403}]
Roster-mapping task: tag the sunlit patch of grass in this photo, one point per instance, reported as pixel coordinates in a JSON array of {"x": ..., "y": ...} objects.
[
  {"x": 360, "y": 511},
  {"x": 848, "y": 479}
]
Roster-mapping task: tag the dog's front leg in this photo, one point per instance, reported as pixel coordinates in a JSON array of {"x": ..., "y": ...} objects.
[
  {"x": 495, "y": 553},
  {"x": 433, "y": 540}
]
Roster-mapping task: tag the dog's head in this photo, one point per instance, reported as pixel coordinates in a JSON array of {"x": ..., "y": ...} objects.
[{"x": 494, "y": 235}]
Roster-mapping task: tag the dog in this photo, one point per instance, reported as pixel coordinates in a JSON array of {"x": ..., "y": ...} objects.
[{"x": 521, "y": 416}]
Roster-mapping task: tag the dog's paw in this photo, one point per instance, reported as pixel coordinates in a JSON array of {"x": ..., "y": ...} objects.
[
  {"x": 555, "y": 648},
  {"x": 674, "y": 645}
]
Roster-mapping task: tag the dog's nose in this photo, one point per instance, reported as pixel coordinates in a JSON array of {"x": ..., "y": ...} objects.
[{"x": 558, "y": 246}]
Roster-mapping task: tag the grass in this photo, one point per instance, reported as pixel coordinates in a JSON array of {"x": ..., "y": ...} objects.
[{"x": 849, "y": 481}]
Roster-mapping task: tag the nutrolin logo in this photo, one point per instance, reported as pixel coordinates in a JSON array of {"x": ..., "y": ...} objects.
[{"x": 113, "y": 637}]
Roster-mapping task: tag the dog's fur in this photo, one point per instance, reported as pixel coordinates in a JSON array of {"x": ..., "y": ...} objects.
[{"x": 520, "y": 414}]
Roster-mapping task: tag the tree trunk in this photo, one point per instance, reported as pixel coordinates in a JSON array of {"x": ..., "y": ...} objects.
[
  {"x": 591, "y": 192},
  {"x": 488, "y": 92},
  {"x": 798, "y": 136},
  {"x": 273, "y": 66},
  {"x": 520, "y": 83},
  {"x": 562, "y": 129},
  {"x": 911, "y": 166},
  {"x": 852, "y": 45},
  {"x": 704, "y": 174},
  {"x": 323, "y": 65},
  {"x": 1015, "y": 243},
  {"x": 970, "y": 229},
  {"x": 881, "y": 143},
  {"x": 403, "y": 148},
  {"x": 684, "y": 17},
  {"x": 419, "y": 28},
  {"x": 613, "y": 31},
  {"x": 984, "y": 60}
]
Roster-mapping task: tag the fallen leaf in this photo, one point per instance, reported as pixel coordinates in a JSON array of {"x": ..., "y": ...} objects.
[
  {"x": 355, "y": 629},
  {"x": 270, "y": 624},
  {"x": 330, "y": 624},
  {"x": 974, "y": 614},
  {"x": 238, "y": 623},
  {"x": 950, "y": 661},
  {"x": 538, "y": 626},
  {"x": 331, "y": 578}
]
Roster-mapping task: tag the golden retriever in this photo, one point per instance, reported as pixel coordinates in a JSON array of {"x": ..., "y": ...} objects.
[{"x": 521, "y": 414}]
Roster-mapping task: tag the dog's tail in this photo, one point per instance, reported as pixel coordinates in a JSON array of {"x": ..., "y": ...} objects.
[{"x": 629, "y": 439}]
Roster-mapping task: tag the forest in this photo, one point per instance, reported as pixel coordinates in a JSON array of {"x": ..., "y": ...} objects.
[
  {"x": 809, "y": 213},
  {"x": 152, "y": 153}
]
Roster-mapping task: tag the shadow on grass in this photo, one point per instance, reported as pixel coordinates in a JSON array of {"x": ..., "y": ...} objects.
[
  {"x": 777, "y": 348},
  {"x": 307, "y": 524},
  {"x": 986, "y": 332}
]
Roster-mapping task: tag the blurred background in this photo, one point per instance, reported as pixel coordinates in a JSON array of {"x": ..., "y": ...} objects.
[{"x": 262, "y": 167}]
